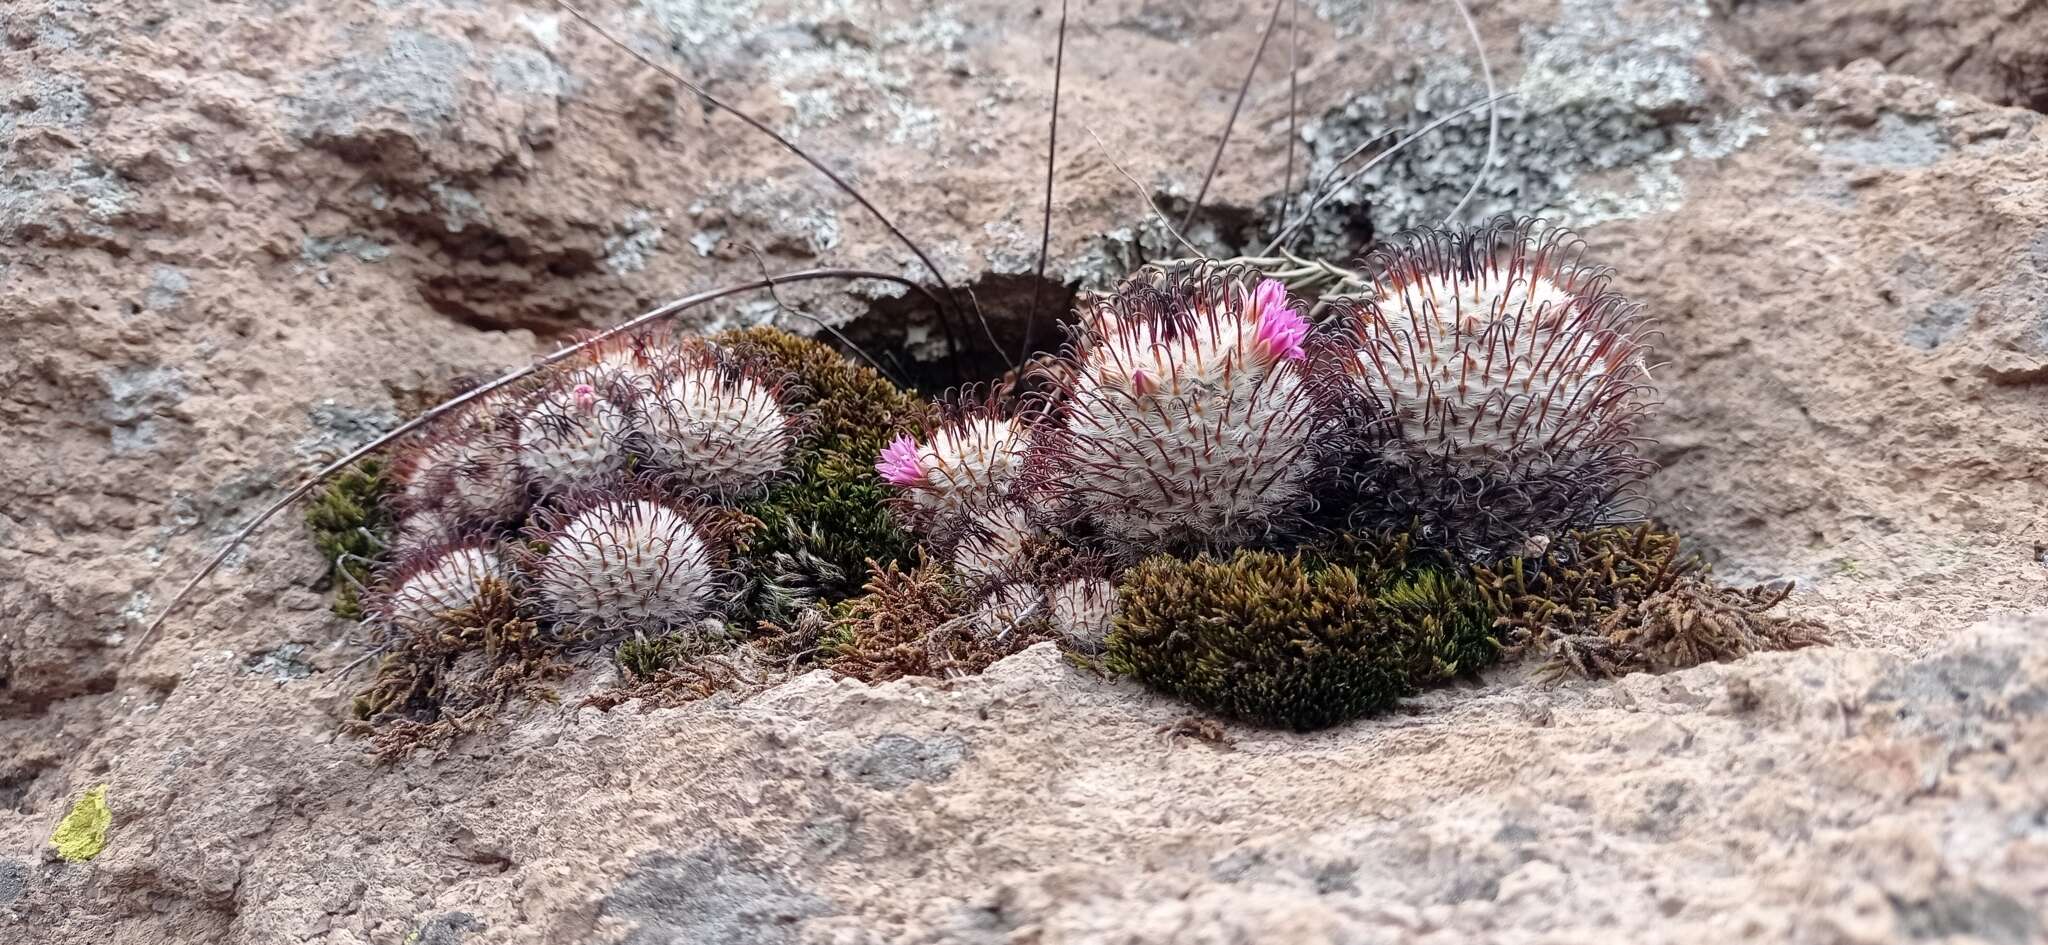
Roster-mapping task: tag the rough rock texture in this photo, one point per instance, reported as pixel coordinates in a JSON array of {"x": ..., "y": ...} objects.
[{"x": 236, "y": 241}]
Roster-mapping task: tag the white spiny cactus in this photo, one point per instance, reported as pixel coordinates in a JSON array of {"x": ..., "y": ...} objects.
[
  {"x": 1188, "y": 416},
  {"x": 714, "y": 430},
  {"x": 436, "y": 585},
  {"x": 1082, "y": 612},
  {"x": 968, "y": 463},
  {"x": 1500, "y": 383},
  {"x": 991, "y": 542},
  {"x": 625, "y": 563},
  {"x": 573, "y": 436}
]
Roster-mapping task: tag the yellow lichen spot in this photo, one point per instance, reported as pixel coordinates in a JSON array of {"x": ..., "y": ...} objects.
[{"x": 83, "y": 832}]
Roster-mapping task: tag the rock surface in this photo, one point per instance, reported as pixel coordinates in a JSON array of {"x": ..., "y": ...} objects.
[{"x": 234, "y": 243}]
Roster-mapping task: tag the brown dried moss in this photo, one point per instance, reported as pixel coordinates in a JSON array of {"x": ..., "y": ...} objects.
[
  {"x": 914, "y": 623},
  {"x": 1612, "y": 601},
  {"x": 436, "y": 683}
]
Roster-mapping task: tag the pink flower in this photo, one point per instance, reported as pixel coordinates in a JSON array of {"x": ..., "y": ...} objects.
[
  {"x": 898, "y": 464},
  {"x": 586, "y": 398},
  {"x": 1280, "y": 328},
  {"x": 1142, "y": 382}
]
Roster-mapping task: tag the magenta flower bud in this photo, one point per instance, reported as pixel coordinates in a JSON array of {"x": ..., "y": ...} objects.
[
  {"x": 898, "y": 465},
  {"x": 1281, "y": 329},
  {"x": 586, "y": 398}
]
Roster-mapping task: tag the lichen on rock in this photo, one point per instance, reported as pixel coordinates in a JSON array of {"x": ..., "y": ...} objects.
[{"x": 82, "y": 834}]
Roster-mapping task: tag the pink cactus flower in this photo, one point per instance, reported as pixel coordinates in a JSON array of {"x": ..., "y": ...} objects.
[
  {"x": 586, "y": 398},
  {"x": 899, "y": 465},
  {"x": 1142, "y": 382},
  {"x": 1280, "y": 328}
]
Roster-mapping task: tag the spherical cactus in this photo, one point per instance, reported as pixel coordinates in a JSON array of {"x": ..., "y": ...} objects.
[
  {"x": 626, "y": 561},
  {"x": 435, "y": 586},
  {"x": 1082, "y": 612},
  {"x": 991, "y": 543},
  {"x": 714, "y": 429},
  {"x": 575, "y": 435},
  {"x": 967, "y": 463},
  {"x": 1187, "y": 417},
  {"x": 1500, "y": 384}
]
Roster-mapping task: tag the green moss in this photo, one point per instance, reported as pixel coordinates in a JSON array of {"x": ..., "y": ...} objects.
[
  {"x": 350, "y": 526},
  {"x": 1298, "y": 641},
  {"x": 1583, "y": 579},
  {"x": 82, "y": 834},
  {"x": 819, "y": 527},
  {"x": 644, "y": 658}
]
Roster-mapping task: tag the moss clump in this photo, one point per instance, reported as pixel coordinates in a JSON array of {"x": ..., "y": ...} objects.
[
  {"x": 82, "y": 834},
  {"x": 1612, "y": 601},
  {"x": 1582, "y": 579},
  {"x": 433, "y": 684},
  {"x": 1298, "y": 641},
  {"x": 820, "y": 526},
  {"x": 351, "y": 527}
]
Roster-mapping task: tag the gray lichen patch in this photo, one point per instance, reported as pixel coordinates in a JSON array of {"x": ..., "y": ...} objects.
[
  {"x": 1895, "y": 141},
  {"x": 715, "y": 895},
  {"x": 412, "y": 77},
  {"x": 895, "y": 761},
  {"x": 1607, "y": 99}
]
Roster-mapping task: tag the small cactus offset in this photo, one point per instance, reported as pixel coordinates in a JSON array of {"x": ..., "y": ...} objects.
[
  {"x": 1498, "y": 386},
  {"x": 430, "y": 587}
]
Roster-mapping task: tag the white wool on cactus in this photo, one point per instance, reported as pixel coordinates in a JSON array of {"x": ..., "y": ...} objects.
[
  {"x": 438, "y": 585},
  {"x": 1082, "y": 612},
  {"x": 572, "y": 436},
  {"x": 715, "y": 431},
  {"x": 1494, "y": 353},
  {"x": 1188, "y": 419},
  {"x": 628, "y": 564}
]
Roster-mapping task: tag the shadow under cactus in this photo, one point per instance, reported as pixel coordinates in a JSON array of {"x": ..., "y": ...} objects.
[{"x": 439, "y": 680}]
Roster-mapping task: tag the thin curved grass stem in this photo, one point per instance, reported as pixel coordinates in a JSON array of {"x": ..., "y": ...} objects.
[{"x": 1216, "y": 160}]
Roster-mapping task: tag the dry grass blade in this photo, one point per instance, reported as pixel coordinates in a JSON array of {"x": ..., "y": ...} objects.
[
  {"x": 1293, "y": 105},
  {"x": 1492, "y": 113},
  {"x": 1052, "y": 146},
  {"x": 443, "y": 408},
  {"x": 1146, "y": 196},
  {"x": 1216, "y": 160},
  {"x": 712, "y": 101},
  {"x": 1329, "y": 192}
]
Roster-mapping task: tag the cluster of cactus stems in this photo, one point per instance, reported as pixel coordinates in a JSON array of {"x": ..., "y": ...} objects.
[
  {"x": 600, "y": 493},
  {"x": 1482, "y": 391},
  {"x": 1479, "y": 393}
]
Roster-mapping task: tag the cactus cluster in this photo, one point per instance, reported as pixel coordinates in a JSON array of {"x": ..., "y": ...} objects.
[
  {"x": 631, "y": 492},
  {"x": 1484, "y": 388},
  {"x": 1293, "y": 510}
]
